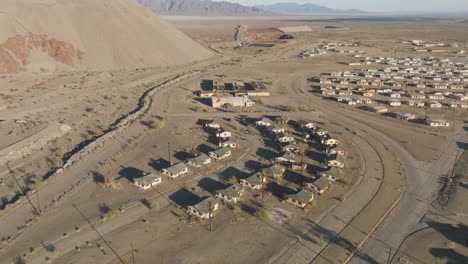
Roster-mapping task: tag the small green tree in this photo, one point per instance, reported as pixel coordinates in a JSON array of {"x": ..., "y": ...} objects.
[
  {"x": 155, "y": 207},
  {"x": 35, "y": 183},
  {"x": 263, "y": 213},
  {"x": 233, "y": 180},
  {"x": 292, "y": 108}
]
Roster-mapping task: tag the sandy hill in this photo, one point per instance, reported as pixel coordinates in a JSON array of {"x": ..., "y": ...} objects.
[
  {"x": 199, "y": 7},
  {"x": 88, "y": 34}
]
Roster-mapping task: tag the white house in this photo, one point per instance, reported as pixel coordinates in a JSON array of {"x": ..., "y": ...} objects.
[
  {"x": 221, "y": 133},
  {"x": 416, "y": 103},
  {"x": 231, "y": 194},
  {"x": 332, "y": 173},
  {"x": 236, "y": 101},
  {"x": 305, "y": 124},
  {"x": 205, "y": 208},
  {"x": 320, "y": 186},
  {"x": 255, "y": 181},
  {"x": 437, "y": 123},
  {"x": 220, "y": 153},
  {"x": 286, "y": 157},
  {"x": 284, "y": 137},
  {"x": 379, "y": 109},
  {"x": 228, "y": 144},
  {"x": 199, "y": 161},
  {"x": 275, "y": 129},
  {"x": 176, "y": 170},
  {"x": 330, "y": 142},
  {"x": 147, "y": 181},
  {"x": 405, "y": 116},
  {"x": 301, "y": 198},
  {"x": 275, "y": 171},
  {"x": 394, "y": 103},
  {"x": 336, "y": 160},
  {"x": 263, "y": 122},
  {"x": 434, "y": 104},
  {"x": 213, "y": 124}
]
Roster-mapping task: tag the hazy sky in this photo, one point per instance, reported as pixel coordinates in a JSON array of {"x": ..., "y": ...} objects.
[{"x": 378, "y": 5}]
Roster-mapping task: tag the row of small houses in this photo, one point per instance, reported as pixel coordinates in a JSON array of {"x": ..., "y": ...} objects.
[
  {"x": 226, "y": 144},
  {"x": 408, "y": 61},
  {"x": 452, "y": 85},
  {"x": 206, "y": 207},
  {"x": 396, "y": 103}
]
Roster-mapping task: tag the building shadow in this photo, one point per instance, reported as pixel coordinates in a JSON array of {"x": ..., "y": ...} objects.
[
  {"x": 182, "y": 155},
  {"x": 278, "y": 190},
  {"x": 296, "y": 178},
  {"x": 254, "y": 165},
  {"x": 233, "y": 172},
  {"x": 266, "y": 153},
  {"x": 204, "y": 148},
  {"x": 448, "y": 255},
  {"x": 159, "y": 164},
  {"x": 462, "y": 145},
  {"x": 455, "y": 233},
  {"x": 184, "y": 198},
  {"x": 131, "y": 173},
  {"x": 210, "y": 185}
]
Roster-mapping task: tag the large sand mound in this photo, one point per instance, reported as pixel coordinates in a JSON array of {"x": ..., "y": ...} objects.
[{"x": 89, "y": 34}]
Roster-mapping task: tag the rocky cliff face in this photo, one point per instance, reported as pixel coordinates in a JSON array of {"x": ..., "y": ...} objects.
[
  {"x": 16, "y": 52},
  {"x": 199, "y": 7}
]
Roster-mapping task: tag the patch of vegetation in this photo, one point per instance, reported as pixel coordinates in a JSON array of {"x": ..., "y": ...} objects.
[
  {"x": 233, "y": 180},
  {"x": 35, "y": 182},
  {"x": 344, "y": 181},
  {"x": 320, "y": 241},
  {"x": 441, "y": 260},
  {"x": 155, "y": 207},
  {"x": 263, "y": 213},
  {"x": 110, "y": 183},
  {"x": 157, "y": 124}
]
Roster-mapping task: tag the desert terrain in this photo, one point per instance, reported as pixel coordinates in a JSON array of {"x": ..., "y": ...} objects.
[{"x": 67, "y": 191}]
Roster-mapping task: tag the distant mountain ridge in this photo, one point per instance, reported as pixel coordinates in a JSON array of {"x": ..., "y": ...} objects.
[
  {"x": 304, "y": 9},
  {"x": 200, "y": 7}
]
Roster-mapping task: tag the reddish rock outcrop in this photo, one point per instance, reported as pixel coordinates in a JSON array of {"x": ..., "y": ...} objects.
[{"x": 15, "y": 52}]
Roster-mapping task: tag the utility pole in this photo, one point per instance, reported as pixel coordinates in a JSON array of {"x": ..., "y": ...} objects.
[
  {"x": 169, "y": 152},
  {"x": 211, "y": 216},
  {"x": 389, "y": 256},
  {"x": 133, "y": 253},
  {"x": 12, "y": 174},
  {"x": 97, "y": 232},
  {"x": 38, "y": 203}
]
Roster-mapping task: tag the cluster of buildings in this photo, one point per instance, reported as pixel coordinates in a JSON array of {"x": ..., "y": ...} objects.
[
  {"x": 440, "y": 86},
  {"x": 210, "y": 88},
  {"x": 334, "y": 47},
  {"x": 233, "y": 93},
  {"x": 429, "y": 46},
  {"x": 311, "y": 53},
  {"x": 287, "y": 159},
  {"x": 224, "y": 150},
  {"x": 291, "y": 157}
]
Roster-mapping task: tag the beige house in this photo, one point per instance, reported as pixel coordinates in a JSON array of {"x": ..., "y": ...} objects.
[
  {"x": 147, "y": 181},
  {"x": 231, "y": 194},
  {"x": 301, "y": 198},
  {"x": 205, "y": 208},
  {"x": 175, "y": 170}
]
